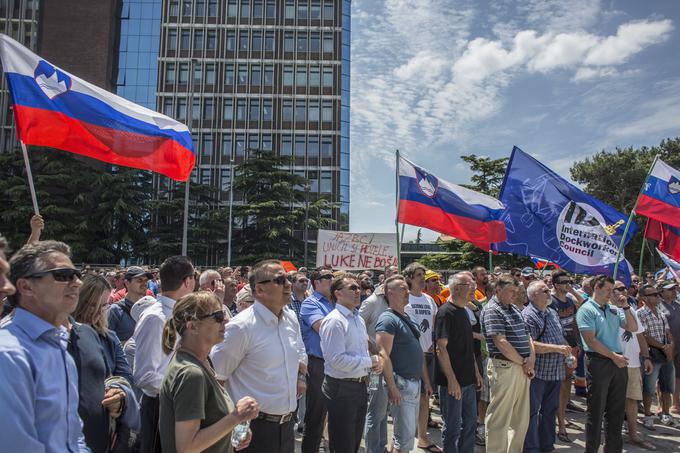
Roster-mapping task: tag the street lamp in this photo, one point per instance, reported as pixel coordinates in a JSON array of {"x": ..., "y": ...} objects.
[{"x": 306, "y": 219}]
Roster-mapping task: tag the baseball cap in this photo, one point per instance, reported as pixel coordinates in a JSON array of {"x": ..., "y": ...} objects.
[
  {"x": 527, "y": 272},
  {"x": 431, "y": 274},
  {"x": 245, "y": 295},
  {"x": 668, "y": 284},
  {"x": 136, "y": 271}
]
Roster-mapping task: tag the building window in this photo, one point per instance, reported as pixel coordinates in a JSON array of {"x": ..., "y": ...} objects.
[
  {"x": 257, "y": 8},
  {"x": 315, "y": 10},
  {"x": 183, "y": 73},
  {"x": 286, "y": 145},
  {"x": 328, "y": 10},
  {"x": 313, "y": 178},
  {"x": 245, "y": 8},
  {"x": 185, "y": 40},
  {"x": 200, "y": 8},
  {"x": 226, "y": 146},
  {"x": 326, "y": 147},
  {"x": 288, "y": 76},
  {"x": 198, "y": 73},
  {"x": 225, "y": 178},
  {"x": 267, "y": 110},
  {"x": 228, "y": 109},
  {"x": 186, "y": 8},
  {"x": 301, "y": 76},
  {"x": 327, "y": 43},
  {"x": 210, "y": 73},
  {"x": 243, "y": 74},
  {"x": 300, "y": 110},
  {"x": 232, "y": 8},
  {"x": 229, "y": 74},
  {"x": 241, "y": 109},
  {"x": 182, "y": 109},
  {"x": 266, "y": 143},
  {"x": 198, "y": 40},
  {"x": 170, "y": 73},
  {"x": 212, "y": 8},
  {"x": 253, "y": 142},
  {"x": 196, "y": 109},
  {"x": 269, "y": 40},
  {"x": 313, "y": 113},
  {"x": 269, "y": 75},
  {"x": 256, "y": 75},
  {"x": 271, "y": 9},
  {"x": 207, "y": 145},
  {"x": 327, "y": 111},
  {"x": 314, "y": 77},
  {"x": 240, "y": 145},
  {"x": 254, "y": 110},
  {"x": 328, "y": 76},
  {"x": 300, "y": 146},
  {"x": 211, "y": 42},
  {"x": 314, "y": 42},
  {"x": 326, "y": 182},
  {"x": 172, "y": 39},
  {"x": 208, "y": 109},
  {"x": 174, "y": 8},
  {"x": 243, "y": 40},
  {"x": 167, "y": 107},
  {"x": 287, "y": 110},
  {"x": 313, "y": 147},
  {"x": 257, "y": 41},
  {"x": 302, "y": 41},
  {"x": 290, "y": 9},
  {"x": 205, "y": 176},
  {"x": 302, "y": 11},
  {"x": 289, "y": 41},
  {"x": 231, "y": 40}
]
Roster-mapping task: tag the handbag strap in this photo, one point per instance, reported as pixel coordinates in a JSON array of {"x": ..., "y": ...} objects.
[{"x": 408, "y": 323}]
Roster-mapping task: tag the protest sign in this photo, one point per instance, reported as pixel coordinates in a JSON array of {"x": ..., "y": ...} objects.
[{"x": 348, "y": 251}]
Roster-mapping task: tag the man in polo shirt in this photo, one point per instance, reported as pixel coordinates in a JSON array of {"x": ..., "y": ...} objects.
[
  {"x": 551, "y": 350},
  {"x": 312, "y": 312},
  {"x": 510, "y": 368},
  {"x": 120, "y": 319},
  {"x": 668, "y": 291},
  {"x": 607, "y": 376}
]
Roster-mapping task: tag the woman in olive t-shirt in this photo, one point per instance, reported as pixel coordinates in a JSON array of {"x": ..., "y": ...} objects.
[{"x": 195, "y": 411}]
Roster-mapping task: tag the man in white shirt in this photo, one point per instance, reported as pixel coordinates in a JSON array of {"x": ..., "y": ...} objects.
[
  {"x": 344, "y": 343},
  {"x": 177, "y": 277},
  {"x": 263, "y": 356},
  {"x": 422, "y": 310}
]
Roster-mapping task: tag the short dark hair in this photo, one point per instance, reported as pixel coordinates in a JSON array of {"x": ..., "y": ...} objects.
[
  {"x": 259, "y": 272},
  {"x": 388, "y": 283},
  {"x": 410, "y": 270},
  {"x": 174, "y": 271},
  {"x": 504, "y": 280},
  {"x": 643, "y": 289},
  {"x": 599, "y": 281},
  {"x": 338, "y": 283},
  {"x": 29, "y": 260},
  {"x": 316, "y": 274},
  {"x": 557, "y": 273}
]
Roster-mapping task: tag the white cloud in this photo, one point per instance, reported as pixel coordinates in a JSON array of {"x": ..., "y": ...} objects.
[
  {"x": 630, "y": 39},
  {"x": 587, "y": 73}
]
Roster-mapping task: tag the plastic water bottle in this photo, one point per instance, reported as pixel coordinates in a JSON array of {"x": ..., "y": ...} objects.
[
  {"x": 239, "y": 434},
  {"x": 570, "y": 362},
  {"x": 373, "y": 381}
]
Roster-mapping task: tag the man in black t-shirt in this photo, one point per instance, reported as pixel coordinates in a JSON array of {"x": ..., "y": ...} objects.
[{"x": 455, "y": 370}]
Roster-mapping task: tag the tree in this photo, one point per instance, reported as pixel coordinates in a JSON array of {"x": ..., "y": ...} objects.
[{"x": 488, "y": 174}]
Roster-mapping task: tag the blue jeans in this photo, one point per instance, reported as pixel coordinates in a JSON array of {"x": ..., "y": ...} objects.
[
  {"x": 544, "y": 398},
  {"x": 664, "y": 373},
  {"x": 375, "y": 430},
  {"x": 460, "y": 419},
  {"x": 405, "y": 415}
]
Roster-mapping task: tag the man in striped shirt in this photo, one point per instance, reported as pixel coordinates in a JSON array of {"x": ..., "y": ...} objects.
[{"x": 510, "y": 368}]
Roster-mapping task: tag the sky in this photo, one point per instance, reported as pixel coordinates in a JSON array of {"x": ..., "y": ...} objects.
[{"x": 561, "y": 79}]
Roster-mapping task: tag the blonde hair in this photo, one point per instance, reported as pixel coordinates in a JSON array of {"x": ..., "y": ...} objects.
[
  {"x": 191, "y": 307},
  {"x": 94, "y": 287}
]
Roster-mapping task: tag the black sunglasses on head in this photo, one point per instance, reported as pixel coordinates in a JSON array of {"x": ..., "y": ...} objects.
[
  {"x": 326, "y": 277},
  {"x": 219, "y": 316},
  {"x": 620, "y": 288},
  {"x": 280, "y": 280},
  {"x": 61, "y": 274}
]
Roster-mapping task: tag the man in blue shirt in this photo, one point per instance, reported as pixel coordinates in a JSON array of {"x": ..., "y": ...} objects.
[
  {"x": 120, "y": 319},
  {"x": 313, "y": 310},
  {"x": 40, "y": 397},
  {"x": 607, "y": 374}
]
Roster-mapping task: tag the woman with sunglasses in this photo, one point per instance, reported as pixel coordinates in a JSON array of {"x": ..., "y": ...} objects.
[
  {"x": 196, "y": 414},
  {"x": 107, "y": 404}
]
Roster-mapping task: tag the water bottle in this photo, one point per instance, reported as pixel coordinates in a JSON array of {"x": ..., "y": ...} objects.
[
  {"x": 239, "y": 434},
  {"x": 570, "y": 362},
  {"x": 373, "y": 381}
]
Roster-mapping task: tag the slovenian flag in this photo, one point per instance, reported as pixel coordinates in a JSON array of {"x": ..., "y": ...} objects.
[
  {"x": 660, "y": 196},
  {"x": 55, "y": 109},
  {"x": 668, "y": 237},
  {"x": 432, "y": 203}
]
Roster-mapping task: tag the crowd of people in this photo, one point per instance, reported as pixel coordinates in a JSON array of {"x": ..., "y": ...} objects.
[{"x": 179, "y": 359}]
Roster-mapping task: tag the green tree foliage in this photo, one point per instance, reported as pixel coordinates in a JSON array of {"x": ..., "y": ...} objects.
[
  {"x": 616, "y": 177},
  {"x": 487, "y": 173}
]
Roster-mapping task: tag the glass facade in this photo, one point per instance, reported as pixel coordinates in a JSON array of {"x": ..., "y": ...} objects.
[
  {"x": 139, "y": 45},
  {"x": 344, "y": 112}
]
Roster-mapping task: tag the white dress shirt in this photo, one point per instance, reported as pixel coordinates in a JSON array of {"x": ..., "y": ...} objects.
[
  {"x": 344, "y": 343},
  {"x": 260, "y": 356},
  {"x": 150, "y": 360}
]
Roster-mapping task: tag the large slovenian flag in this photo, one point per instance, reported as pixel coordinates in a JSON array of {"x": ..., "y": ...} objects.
[
  {"x": 667, "y": 236},
  {"x": 55, "y": 109},
  {"x": 429, "y": 202},
  {"x": 660, "y": 196}
]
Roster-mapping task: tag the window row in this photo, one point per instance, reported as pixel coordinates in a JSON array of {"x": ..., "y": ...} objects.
[
  {"x": 197, "y": 8},
  {"x": 254, "y": 8},
  {"x": 298, "y": 146},
  {"x": 319, "y": 181},
  {"x": 309, "y": 10},
  {"x": 303, "y": 41}
]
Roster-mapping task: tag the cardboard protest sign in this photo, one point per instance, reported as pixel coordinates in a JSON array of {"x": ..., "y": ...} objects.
[{"x": 351, "y": 251}]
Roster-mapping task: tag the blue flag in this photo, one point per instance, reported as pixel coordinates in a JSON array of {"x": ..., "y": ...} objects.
[{"x": 549, "y": 217}]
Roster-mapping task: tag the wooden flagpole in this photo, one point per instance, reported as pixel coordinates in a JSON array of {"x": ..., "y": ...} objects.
[{"x": 34, "y": 198}]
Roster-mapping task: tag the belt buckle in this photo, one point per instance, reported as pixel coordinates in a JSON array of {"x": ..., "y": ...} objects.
[{"x": 284, "y": 419}]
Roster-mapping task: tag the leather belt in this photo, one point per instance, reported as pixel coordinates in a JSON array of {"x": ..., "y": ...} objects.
[
  {"x": 280, "y": 419},
  {"x": 498, "y": 356},
  {"x": 351, "y": 379}
]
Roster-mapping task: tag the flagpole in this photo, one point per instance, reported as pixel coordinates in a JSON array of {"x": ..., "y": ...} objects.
[
  {"x": 185, "y": 227},
  {"x": 396, "y": 217},
  {"x": 31, "y": 187},
  {"x": 642, "y": 255},
  {"x": 490, "y": 261},
  {"x": 630, "y": 218},
  {"x": 231, "y": 203}
]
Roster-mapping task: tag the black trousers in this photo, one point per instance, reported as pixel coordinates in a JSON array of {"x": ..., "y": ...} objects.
[
  {"x": 347, "y": 403},
  {"x": 315, "y": 415},
  {"x": 606, "y": 399},
  {"x": 150, "y": 436},
  {"x": 271, "y": 437}
]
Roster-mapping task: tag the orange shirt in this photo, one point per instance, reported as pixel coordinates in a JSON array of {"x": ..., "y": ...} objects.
[{"x": 480, "y": 295}]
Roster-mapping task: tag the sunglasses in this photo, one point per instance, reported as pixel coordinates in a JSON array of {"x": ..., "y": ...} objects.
[
  {"x": 280, "y": 280},
  {"x": 219, "y": 316},
  {"x": 652, "y": 295},
  {"x": 353, "y": 287},
  {"x": 303, "y": 280},
  {"x": 565, "y": 282},
  {"x": 326, "y": 277},
  {"x": 620, "y": 288},
  {"x": 62, "y": 274}
]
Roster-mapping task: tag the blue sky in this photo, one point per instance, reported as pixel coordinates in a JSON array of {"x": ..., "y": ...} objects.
[{"x": 561, "y": 79}]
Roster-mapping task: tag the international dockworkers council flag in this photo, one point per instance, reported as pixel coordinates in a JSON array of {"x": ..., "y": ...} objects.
[
  {"x": 56, "y": 109},
  {"x": 660, "y": 196},
  {"x": 429, "y": 202},
  {"x": 547, "y": 216}
]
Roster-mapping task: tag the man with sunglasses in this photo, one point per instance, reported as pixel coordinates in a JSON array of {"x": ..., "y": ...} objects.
[
  {"x": 120, "y": 320},
  {"x": 262, "y": 356},
  {"x": 313, "y": 310},
  {"x": 344, "y": 343},
  {"x": 177, "y": 280},
  {"x": 668, "y": 291},
  {"x": 39, "y": 398},
  {"x": 300, "y": 284}
]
